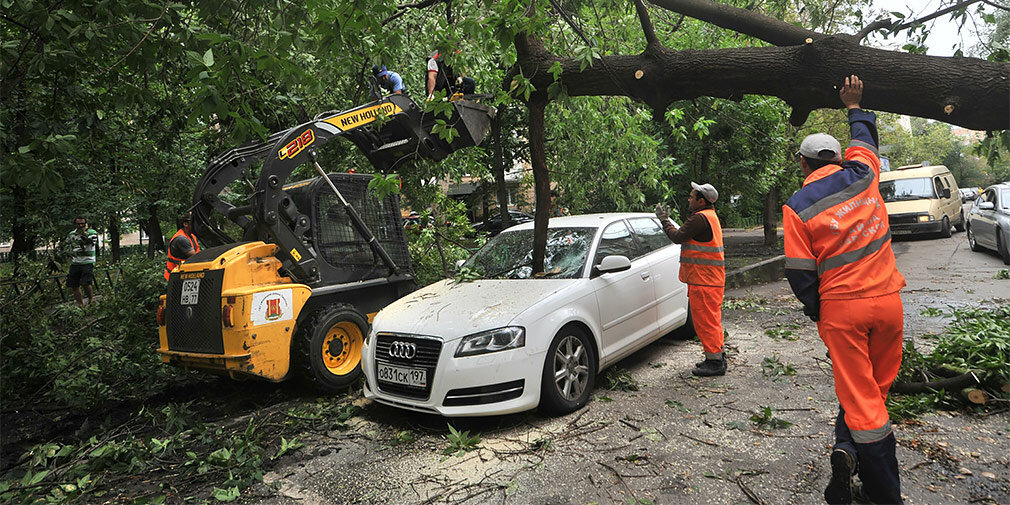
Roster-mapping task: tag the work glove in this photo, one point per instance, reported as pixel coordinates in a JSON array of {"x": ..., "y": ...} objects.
[{"x": 662, "y": 212}]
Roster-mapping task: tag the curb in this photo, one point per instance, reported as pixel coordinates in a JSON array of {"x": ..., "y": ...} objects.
[{"x": 769, "y": 270}]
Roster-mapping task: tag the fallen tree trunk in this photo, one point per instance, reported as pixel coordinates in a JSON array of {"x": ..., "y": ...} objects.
[
  {"x": 975, "y": 395},
  {"x": 959, "y": 382}
]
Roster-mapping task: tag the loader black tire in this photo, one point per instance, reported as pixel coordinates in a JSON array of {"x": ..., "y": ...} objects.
[{"x": 329, "y": 347}]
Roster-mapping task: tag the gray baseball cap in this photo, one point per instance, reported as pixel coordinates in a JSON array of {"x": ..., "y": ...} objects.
[
  {"x": 821, "y": 146},
  {"x": 706, "y": 190}
]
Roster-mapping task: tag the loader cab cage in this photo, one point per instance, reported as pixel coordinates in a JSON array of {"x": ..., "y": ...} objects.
[
  {"x": 308, "y": 233},
  {"x": 343, "y": 254}
]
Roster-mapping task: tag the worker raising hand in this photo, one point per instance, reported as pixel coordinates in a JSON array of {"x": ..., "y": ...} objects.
[{"x": 852, "y": 92}]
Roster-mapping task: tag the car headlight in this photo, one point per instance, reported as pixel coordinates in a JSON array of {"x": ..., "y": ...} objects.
[
  {"x": 511, "y": 337},
  {"x": 925, "y": 217}
]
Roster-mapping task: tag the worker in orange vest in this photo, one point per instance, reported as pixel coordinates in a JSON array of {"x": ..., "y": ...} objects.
[
  {"x": 183, "y": 244},
  {"x": 840, "y": 265},
  {"x": 702, "y": 268}
]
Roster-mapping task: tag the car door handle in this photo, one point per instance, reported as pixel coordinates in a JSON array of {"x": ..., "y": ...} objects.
[{"x": 645, "y": 276}]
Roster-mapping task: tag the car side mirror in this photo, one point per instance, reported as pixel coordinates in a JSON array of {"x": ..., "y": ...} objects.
[
  {"x": 946, "y": 192},
  {"x": 613, "y": 263},
  {"x": 986, "y": 206}
]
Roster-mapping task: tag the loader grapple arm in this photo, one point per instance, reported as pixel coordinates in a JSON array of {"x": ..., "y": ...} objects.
[{"x": 387, "y": 131}]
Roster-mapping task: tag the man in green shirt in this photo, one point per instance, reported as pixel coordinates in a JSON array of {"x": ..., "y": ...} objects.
[{"x": 81, "y": 242}]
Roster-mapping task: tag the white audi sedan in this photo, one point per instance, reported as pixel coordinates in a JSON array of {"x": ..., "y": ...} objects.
[{"x": 510, "y": 340}]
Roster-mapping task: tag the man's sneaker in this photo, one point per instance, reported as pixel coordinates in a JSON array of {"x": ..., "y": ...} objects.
[
  {"x": 710, "y": 367},
  {"x": 839, "y": 490}
]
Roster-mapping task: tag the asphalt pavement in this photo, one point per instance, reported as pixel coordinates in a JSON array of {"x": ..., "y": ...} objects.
[{"x": 667, "y": 437}]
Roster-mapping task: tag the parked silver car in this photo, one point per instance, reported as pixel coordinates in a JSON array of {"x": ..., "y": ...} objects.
[{"x": 989, "y": 221}]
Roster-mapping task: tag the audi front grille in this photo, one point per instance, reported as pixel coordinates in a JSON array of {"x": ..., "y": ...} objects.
[{"x": 411, "y": 351}]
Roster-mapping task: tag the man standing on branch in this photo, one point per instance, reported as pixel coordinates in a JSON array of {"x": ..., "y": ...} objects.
[
  {"x": 82, "y": 242},
  {"x": 183, "y": 244},
  {"x": 840, "y": 265},
  {"x": 702, "y": 268}
]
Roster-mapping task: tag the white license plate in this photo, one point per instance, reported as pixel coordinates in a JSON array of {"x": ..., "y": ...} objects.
[
  {"x": 400, "y": 375},
  {"x": 190, "y": 292}
]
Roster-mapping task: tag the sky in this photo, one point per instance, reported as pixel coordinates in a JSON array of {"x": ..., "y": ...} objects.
[{"x": 944, "y": 33}]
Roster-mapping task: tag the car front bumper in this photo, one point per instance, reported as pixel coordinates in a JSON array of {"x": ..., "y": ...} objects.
[
  {"x": 491, "y": 384},
  {"x": 917, "y": 228}
]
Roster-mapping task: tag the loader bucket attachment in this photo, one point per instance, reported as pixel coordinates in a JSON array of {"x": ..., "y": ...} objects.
[{"x": 473, "y": 122}]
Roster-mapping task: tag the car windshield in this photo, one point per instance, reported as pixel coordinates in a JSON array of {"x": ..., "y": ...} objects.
[
  {"x": 510, "y": 254},
  {"x": 907, "y": 189}
]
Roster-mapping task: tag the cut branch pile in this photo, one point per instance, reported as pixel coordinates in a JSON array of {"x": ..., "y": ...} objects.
[{"x": 969, "y": 365}]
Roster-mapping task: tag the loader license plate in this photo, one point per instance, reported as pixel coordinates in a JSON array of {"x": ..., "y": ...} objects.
[
  {"x": 190, "y": 291},
  {"x": 399, "y": 375}
]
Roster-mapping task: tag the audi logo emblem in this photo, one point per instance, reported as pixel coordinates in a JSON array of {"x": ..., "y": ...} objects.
[{"x": 405, "y": 350}]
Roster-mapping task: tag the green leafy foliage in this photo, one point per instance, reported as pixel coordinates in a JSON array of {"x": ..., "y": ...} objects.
[
  {"x": 619, "y": 379},
  {"x": 460, "y": 442},
  {"x": 773, "y": 367},
  {"x": 977, "y": 339},
  {"x": 783, "y": 331},
  {"x": 766, "y": 418},
  {"x": 67, "y": 356}
]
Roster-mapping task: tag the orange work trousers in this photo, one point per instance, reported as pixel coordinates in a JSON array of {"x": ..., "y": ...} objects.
[
  {"x": 706, "y": 312},
  {"x": 864, "y": 338}
]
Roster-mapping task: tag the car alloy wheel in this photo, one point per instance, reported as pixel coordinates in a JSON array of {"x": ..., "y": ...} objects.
[
  {"x": 971, "y": 241},
  {"x": 571, "y": 368},
  {"x": 569, "y": 372}
]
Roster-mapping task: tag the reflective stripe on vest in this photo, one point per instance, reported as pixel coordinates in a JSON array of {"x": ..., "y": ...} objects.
[
  {"x": 172, "y": 260},
  {"x": 703, "y": 263}
]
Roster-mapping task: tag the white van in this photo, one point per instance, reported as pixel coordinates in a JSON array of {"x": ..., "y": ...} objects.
[{"x": 922, "y": 199}]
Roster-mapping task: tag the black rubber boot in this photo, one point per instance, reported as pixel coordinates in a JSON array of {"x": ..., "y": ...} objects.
[
  {"x": 702, "y": 362},
  {"x": 843, "y": 466},
  {"x": 878, "y": 471},
  {"x": 711, "y": 367}
]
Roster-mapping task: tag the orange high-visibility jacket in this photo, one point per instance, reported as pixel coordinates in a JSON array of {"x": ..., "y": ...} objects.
[
  {"x": 172, "y": 260},
  {"x": 837, "y": 238},
  {"x": 704, "y": 263}
]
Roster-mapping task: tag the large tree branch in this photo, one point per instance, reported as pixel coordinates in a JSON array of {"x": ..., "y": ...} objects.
[
  {"x": 740, "y": 20},
  {"x": 934, "y": 15},
  {"x": 872, "y": 27},
  {"x": 647, "y": 28},
  {"x": 965, "y": 91}
]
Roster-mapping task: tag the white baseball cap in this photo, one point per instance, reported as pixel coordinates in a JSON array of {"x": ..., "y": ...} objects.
[
  {"x": 821, "y": 146},
  {"x": 706, "y": 190}
]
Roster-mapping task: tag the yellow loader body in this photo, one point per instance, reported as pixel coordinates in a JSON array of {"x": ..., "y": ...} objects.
[{"x": 229, "y": 309}]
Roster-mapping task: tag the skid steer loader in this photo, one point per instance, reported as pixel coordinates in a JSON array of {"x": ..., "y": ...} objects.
[{"x": 313, "y": 261}]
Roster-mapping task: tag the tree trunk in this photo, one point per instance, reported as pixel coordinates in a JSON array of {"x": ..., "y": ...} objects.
[
  {"x": 152, "y": 226},
  {"x": 114, "y": 235},
  {"x": 24, "y": 240},
  {"x": 541, "y": 180},
  {"x": 498, "y": 169},
  {"x": 771, "y": 216}
]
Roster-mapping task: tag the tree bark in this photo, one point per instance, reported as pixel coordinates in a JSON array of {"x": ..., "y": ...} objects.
[
  {"x": 498, "y": 168},
  {"x": 771, "y": 216},
  {"x": 114, "y": 236},
  {"x": 740, "y": 20},
  {"x": 965, "y": 91},
  {"x": 24, "y": 240},
  {"x": 152, "y": 226},
  {"x": 541, "y": 179}
]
